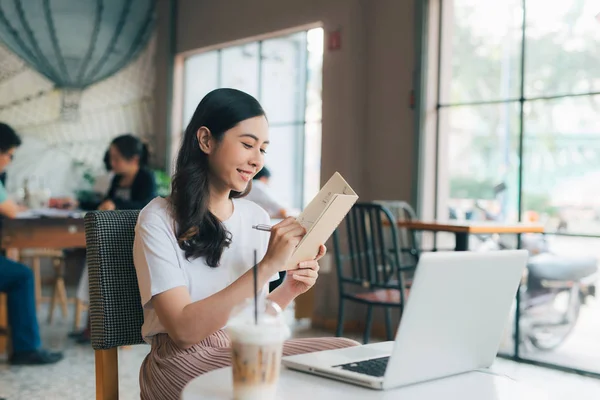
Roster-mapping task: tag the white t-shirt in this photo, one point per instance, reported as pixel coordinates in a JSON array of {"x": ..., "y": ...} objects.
[
  {"x": 261, "y": 194},
  {"x": 161, "y": 265}
]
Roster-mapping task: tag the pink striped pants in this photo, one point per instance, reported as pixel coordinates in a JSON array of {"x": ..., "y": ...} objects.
[{"x": 168, "y": 368}]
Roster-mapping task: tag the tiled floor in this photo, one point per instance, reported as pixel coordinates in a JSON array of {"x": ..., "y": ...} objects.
[{"x": 73, "y": 378}]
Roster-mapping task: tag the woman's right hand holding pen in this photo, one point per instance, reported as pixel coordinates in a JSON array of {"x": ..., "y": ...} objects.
[{"x": 285, "y": 236}]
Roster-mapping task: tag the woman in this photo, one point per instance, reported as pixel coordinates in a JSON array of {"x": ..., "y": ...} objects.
[
  {"x": 131, "y": 188},
  {"x": 193, "y": 252},
  {"x": 133, "y": 185}
]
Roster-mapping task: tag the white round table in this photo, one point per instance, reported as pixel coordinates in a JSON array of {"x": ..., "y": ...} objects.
[{"x": 293, "y": 385}]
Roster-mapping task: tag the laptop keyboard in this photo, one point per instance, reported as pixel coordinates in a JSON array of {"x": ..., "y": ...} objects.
[{"x": 374, "y": 367}]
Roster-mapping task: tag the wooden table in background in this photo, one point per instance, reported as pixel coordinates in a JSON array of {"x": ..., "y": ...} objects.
[
  {"x": 48, "y": 233},
  {"x": 462, "y": 229}
]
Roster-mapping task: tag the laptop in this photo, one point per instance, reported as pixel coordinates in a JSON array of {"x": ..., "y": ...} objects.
[{"x": 453, "y": 322}]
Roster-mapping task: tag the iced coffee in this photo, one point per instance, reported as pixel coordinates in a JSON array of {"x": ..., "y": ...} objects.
[{"x": 256, "y": 351}]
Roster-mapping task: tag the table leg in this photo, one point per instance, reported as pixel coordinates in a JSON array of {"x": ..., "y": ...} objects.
[
  {"x": 462, "y": 241},
  {"x": 12, "y": 254}
]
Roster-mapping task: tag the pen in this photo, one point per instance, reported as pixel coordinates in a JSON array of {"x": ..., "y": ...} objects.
[{"x": 262, "y": 227}]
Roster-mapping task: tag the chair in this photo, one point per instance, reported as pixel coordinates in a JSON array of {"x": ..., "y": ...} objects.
[
  {"x": 408, "y": 239},
  {"x": 115, "y": 309},
  {"x": 59, "y": 291},
  {"x": 367, "y": 263}
]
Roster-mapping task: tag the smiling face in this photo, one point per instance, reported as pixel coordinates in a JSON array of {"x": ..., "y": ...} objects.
[{"x": 238, "y": 156}]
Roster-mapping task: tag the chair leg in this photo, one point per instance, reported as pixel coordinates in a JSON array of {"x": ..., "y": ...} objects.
[
  {"x": 53, "y": 301},
  {"x": 107, "y": 374},
  {"x": 388, "y": 323},
  {"x": 37, "y": 279},
  {"x": 78, "y": 311},
  {"x": 60, "y": 283},
  {"x": 63, "y": 297},
  {"x": 340, "y": 324},
  {"x": 367, "y": 333}
]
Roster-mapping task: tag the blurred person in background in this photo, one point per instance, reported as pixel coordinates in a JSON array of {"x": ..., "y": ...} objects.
[
  {"x": 17, "y": 280},
  {"x": 132, "y": 187},
  {"x": 262, "y": 195}
]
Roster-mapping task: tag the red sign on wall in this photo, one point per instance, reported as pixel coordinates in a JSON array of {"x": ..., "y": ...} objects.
[{"x": 334, "y": 40}]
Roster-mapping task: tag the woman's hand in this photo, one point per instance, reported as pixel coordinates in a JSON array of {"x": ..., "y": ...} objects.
[
  {"x": 322, "y": 252},
  {"x": 300, "y": 280},
  {"x": 107, "y": 205},
  {"x": 285, "y": 236}
]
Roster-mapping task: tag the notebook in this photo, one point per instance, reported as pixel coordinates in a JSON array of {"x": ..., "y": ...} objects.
[{"x": 320, "y": 218}]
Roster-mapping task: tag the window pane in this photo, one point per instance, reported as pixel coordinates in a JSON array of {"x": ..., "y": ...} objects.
[
  {"x": 289, "y": 75},
  {"x": 580, "y": 347},
  {"x": 507, "y": 344},
  {"x": 284, "y": 159},
  {"x": 561, "y": 176},
  {"x": 481, "y": 50},
  {"x": 283, "y": 75},
  {"x": 314, "y": 84},
  {"x": 479, "y": 165},
  {"x": 200, "y": 77},
  {"x": 239, "y": 68},
  {"x": 312, "y": 161},
  {"x": 562, "y": 51}
]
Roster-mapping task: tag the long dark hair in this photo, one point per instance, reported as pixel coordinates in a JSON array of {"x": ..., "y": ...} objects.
[
  {"x": 199, "y": 232},
  {"x": 106, "y": 161},
  {"x": 130, "y": 146}
]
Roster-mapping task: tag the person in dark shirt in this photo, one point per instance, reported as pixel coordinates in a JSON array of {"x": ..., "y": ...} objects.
[
  {"x": 132, "y": 187},
  {"x": 133, "y": 184}
]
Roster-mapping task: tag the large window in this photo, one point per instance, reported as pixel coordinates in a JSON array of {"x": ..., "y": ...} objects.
[
  {"x": 284, "y": 74},
  {"x": 518, "y": 131}
]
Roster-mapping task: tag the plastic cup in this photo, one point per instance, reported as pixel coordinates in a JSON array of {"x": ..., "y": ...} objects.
[{"x": 256, "y": 349}]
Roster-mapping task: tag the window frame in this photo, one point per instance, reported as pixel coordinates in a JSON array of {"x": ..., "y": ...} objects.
[
  {"x": 177, "y": 110},
  {"x": 432, "y": 183}
]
